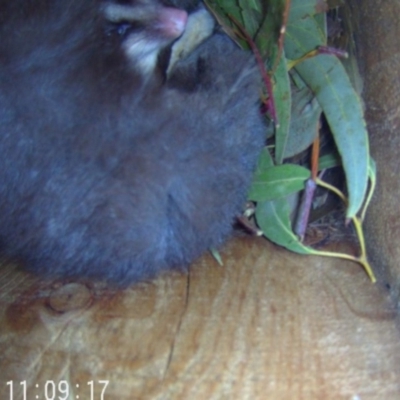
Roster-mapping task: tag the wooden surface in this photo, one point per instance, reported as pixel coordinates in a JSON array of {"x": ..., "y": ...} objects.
[
  {"x": 377, "y": 29},
  {"x": 267, "y": 325}
]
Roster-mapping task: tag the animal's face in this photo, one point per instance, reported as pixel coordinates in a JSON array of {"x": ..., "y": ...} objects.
[{"x": 145, "y": 27}]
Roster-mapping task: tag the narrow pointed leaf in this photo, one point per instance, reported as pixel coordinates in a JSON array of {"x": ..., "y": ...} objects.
[
  {"x": 278, "y": 182},
  {"x": 343, "y": 111},
  {"x": 302, "y": 8},
  {"x": 304, "y": 120},
  {"x": 329, "y": 161},
  {"x": 273, "y": 219},
  {"x": 270, "y": 30},
  {"x": 327, "y": 78},
  {"x": 283, "y": 105}
]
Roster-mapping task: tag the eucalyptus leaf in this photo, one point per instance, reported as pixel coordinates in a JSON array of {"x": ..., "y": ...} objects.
[
  {"x": 343, "y": 111},
  {"x": 372, "y": 169},
  {"x": 322, "y": 23},
  {"x": 273, "y": 219},
  {"x": 217, "y": 256},
  {"x": 302, "y": 36},
  {"x": 327, "y": 78},
  {"x": 229, "y": 7},
  {"x": 252, "y": 4},
  {"x": 303, "y": 8},
  {"x": 251, "y": 21},
  {"x": 283, "y": 104},
  {"x": 329, "y": 161},
  {"x": 278, "y": 182},
  {"x": 221, "y": 9},
  {"x": 264, "y": 161},
  {"x": 270, "y": 29},
  {"x": 305, "y": 115}
]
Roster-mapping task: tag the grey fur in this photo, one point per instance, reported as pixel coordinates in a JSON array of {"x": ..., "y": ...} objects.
[{"x": 103, "y": 174}]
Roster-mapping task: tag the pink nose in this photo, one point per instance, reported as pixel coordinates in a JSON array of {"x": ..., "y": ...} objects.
[{"x": 171, "y": 22}]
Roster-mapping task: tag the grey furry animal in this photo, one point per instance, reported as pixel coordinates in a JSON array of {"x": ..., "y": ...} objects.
[{"x": 105, "y": 173}]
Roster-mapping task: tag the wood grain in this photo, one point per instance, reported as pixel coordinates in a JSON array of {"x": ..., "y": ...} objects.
[{"x": 266, "y": 325}]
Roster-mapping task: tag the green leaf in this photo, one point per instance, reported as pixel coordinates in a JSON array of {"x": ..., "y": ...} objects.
[
  {"x": 302, "y": 36},
  {"x": 270, "y": 30},
  {"x": 372, "y": 169},
  {"x": 283, "y": 102},
  {"x": 264, "y": 161},
  {"x": 327, "y": 78},
  {"x": 217, "y": 256},
  {"x": 329, "y": 161},
  {"x": 342, "y": 107},
  {"x": 251, "y": 16},
  {"x": 371, "y": 189},
  {"x": 248, "y": 14},
  {"x": 278, "y": 182},
  {"x": 228, "y": 7},
  {"x": 302, "y": 8},
  {"x": 305, "y": 115},
  {"x": 273, "y": 219},
  {"x": 221, "y": 9}
]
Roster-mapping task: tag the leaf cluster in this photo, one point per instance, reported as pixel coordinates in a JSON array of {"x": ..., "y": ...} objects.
[{"x": 306, "y": 81}]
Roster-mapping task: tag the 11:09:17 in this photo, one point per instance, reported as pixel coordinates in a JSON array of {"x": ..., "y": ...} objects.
[{"x": 62, "y": 390}]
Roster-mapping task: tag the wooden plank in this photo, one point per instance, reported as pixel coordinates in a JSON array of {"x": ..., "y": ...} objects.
[{"x": 268, "y": 324}]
